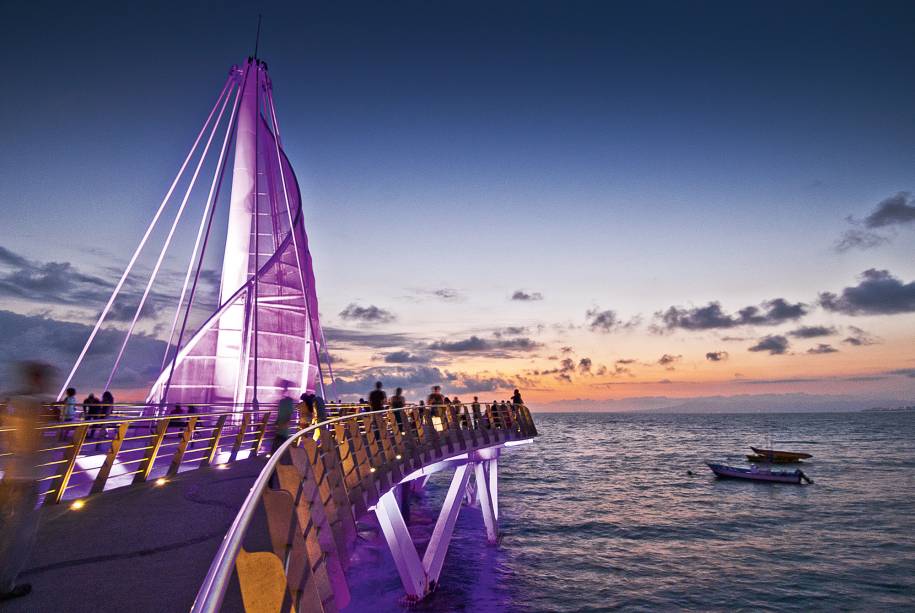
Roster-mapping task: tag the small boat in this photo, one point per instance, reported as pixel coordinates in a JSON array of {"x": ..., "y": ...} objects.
[
  {"x": 765, "y": 459},
  {"x": 785, "y": 456},
  {"x": 757, "y": 474}
]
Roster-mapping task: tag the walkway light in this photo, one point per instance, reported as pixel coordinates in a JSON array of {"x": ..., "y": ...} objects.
[
  {"x": 161, "y": 481},
  {"x": 78, "y": 504}
]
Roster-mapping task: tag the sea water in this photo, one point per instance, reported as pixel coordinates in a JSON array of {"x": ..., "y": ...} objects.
[{"x": 602, "y": 513}]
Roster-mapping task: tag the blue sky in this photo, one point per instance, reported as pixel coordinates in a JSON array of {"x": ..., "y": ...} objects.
[{"x": 611, "y": 158}]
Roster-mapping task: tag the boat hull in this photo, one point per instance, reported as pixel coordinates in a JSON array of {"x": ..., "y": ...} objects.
[
  {"x": 781, "y": 455},
  {"x": 749, "y": 474},
  {"x": 764, "y": 459}
]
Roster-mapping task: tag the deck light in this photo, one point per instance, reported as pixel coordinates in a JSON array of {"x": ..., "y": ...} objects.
[
  {"x": 372, "y": 469},
  {"x": 78, "y": 504},
  {"x": 399, "y": 456},
  {"x": 161, "y": 481}
]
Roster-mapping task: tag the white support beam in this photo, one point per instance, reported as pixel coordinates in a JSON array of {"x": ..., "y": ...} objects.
[
  {"x": 411, "y": 570},
  {"x": 434, "y": 557},
  {"x": 486, "y": 505},
  {"x": 492, "y": 468}
]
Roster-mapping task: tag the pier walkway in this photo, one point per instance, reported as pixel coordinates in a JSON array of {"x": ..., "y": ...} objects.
[
  {"x": 143, "y": 548},
  {"x": 256, "y": 533}
]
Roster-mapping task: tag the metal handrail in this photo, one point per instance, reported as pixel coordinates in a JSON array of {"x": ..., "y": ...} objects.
[{"x": 212, "y": 592}]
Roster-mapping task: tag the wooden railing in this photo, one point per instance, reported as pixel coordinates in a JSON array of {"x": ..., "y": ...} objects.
[{"x": 321, "y": 481}]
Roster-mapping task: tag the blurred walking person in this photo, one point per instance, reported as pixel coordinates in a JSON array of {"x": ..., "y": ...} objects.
[{"x": 19, "y": 488}]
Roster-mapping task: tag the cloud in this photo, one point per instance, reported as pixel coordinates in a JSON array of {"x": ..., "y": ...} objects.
[
  {"x": 566, "y": 350},
  {"x": 39, "y": 337},
  {"x": 626, "y": 361},
  {"x": 898, "y": 209},
  {"x": 822, "y": 348},
  {"x": 337, "y": 337},
  {"x": 774, "y": 344},
  {"x": 607, "y": 321},
  {"x": 812, "y": 331},
  {"x": 480, "y": 345},
  {"x": 712, "y": 316},
  {"x": 584, "y": 366},
  {"x": 417, "y": 380},
  {"x": 667, "y": 360},
  {"x": 859, "y": 338},
  {"x": 716, "y": 356},
  {"x": 447, "y": 294},
  {"x": 403, "y": 357},
  {"x": 523, "y": 296},
  {"x": 368, "y": 315},
  {"x": 878, "y": 293},
  {"x": 903, "y": 372},
  {"x": 857, "y": 238},
  {"x": 510, "y": 331}
]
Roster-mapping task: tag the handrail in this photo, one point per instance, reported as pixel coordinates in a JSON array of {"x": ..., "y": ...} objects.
[
  {"x": 209, "y": 597},
  {"x": 213, "y": 589}
]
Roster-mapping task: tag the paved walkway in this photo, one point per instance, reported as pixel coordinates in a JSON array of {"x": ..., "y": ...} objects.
[{"x": 137, "y": 549}]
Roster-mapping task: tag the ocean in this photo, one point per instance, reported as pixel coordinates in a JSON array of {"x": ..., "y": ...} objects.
[{"x": 602, "y": 513}]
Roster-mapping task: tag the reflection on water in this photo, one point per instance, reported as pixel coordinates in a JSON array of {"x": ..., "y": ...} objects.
[{"x": 600, "y": 513}]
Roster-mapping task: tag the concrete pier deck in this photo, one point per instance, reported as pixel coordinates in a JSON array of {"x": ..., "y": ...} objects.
[{"x": 139, "y": 548}]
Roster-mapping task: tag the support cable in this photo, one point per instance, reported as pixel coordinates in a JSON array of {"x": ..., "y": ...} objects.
[
  {"x": 276, "y": 128},
  {"x": 136, "y": 253},
  {"x": 190, "y": 269},
  {"x": 213, "y": 197},
  {"x": 168, "y": 241}
]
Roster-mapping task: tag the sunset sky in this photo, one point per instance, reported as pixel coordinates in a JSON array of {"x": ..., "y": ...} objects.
[{"x": 608, "y": 207}]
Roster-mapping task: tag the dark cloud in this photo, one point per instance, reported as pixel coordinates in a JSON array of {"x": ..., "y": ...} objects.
[
  {"x": 403, "y": 357},
  {"x": 564, "y": 378},
  {"x": 878, "y": 293},
  {"x": 447, "y": 294},
  {"x": 342, "y": 337},
  {"x": 667, "y": 360},
  {"x": 716, "y": 356},
  {"x": 566, "y": 350},
  {"x": 58, "y": 343},
  {"x": 417, "y": 380},
  {"x": 522, "y": 296},
  {"x": 606, "y": 321},
  {"x": 812, "y": 331},
  {"x": 774, "y": 344},
  {"x": 369, "y": 315},
  {"x": 626, "y": 361},
  {"x": 822, "y": 348},
  {"x": 584, "y": 366},
  {"x": 857, "y": 238},
  {"x": 510, "y": 331},
  {"x": 601, "y": 371},
  {"x": 858, "y": 337},
  {"x": 476, "y": 344},
  {"x": 895, "y": 210},
  {"x": 711, "y": 316}
]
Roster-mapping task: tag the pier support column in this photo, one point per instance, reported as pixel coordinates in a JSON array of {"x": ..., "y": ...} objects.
[
  {"x": 444, "y": 527},
  {"x": 492, "y": 470},
  {"x": 411, "y": 571},
  {"x": 487, "y": 505}
]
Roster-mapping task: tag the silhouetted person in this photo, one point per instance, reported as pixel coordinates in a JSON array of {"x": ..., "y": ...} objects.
[
  {"x": 306, "y": 409},
  {"x": 178, "y": 423},
  {"x": 19, "y": 488},
  {"x": 320, "y": 408},
  {"x": 516, "y": 399},
  {"x": 398, "y": 402},
  {"x": 283, "y": 417},
  {"x": 93, "y": 411},
  {"x": 475, "y": 409},
  {"x": 435, "y": 399},
  {"x": 377, "y": 398},
  {"x": 68, "y": 411}
]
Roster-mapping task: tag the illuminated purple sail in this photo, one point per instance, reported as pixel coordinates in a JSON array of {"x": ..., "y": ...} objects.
[
  {"x": 266, "y": 330},
  {"x": 265, "y": 333}
]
